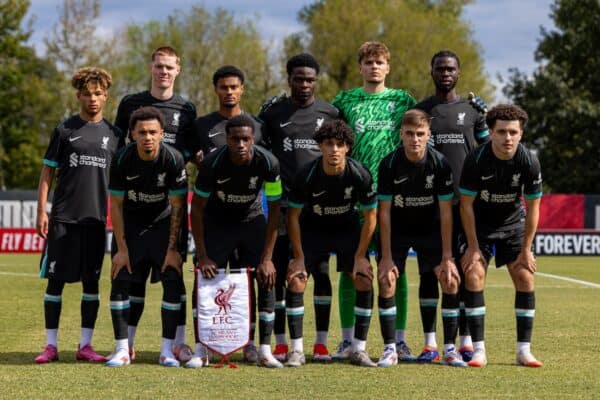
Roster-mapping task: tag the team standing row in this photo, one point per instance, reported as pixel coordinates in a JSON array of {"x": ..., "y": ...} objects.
[{"x": 312, "y": 187}]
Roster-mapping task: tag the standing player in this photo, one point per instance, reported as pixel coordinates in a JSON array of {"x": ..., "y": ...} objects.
[
  {"x": 227, "y": 214},
  {"x": 322, "y": 219},
  {"x": 415, "y": 210},
  {"x": 494, "y": 177},
  {"x": 457, "y": 127},
  {"x": 209, "y": 131},
  {"x": 289, "y": 125},
  {"x": 81, "y": 148},
  {"x": 374, "y": 112},
  {"x": 179, "y": 115},
  {"x": 148, "y": 187}
]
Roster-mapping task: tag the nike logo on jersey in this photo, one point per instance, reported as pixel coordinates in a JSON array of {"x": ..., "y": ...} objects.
[
  {"x": 214, "y": 134},
  {"x": 72, "y": 139},
  {"x": 219, "y": 181},
  {"x": 485, "y": 178},
  {"x": 130, "y": 178},
  {"x": 318, "y": 194},
  {"x": 283, "y": 125},
  {"x": 403, "y": 179}
]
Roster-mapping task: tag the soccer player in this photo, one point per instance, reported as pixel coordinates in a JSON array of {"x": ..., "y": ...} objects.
[
  {"x": 148, "y": 189},
  {"x": 415, "y": 210},
  {"x": 227, "y": 214},
  {"x": 457, "y": 127},
  {"x": 374, "y": 112},
  {"x": 289, "y": 125},
  {"x": 179, "y": 115},
  {"x": 209, "y": 131},
  {"x": 81, "y": 148},
  {"x": 322, "y": 219},
  {"x": 494, "y": 177}
]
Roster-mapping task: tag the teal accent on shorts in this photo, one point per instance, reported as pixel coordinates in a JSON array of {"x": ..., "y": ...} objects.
[
  {"x": 119, "y": 193},
  {"x": 533, "y": 196},
  {"x": 446, "y": 197},
  {"x": 384, "y": 197},
  {"x": 482, "y": 134},
  {"x": 44, "y": 264},
  {"x": 177, "y": 192},
  {"x": 52, "y": 299},
  {"x": 170, "y": 306},
  {"x": 90, "y": 297},
  {"x": 450, "y": 312},
  {"x": 387, "y": 312},
  {"x": 295, "y": 205},
  {"x": 467, "y": 192},
  {"x": 362, "y": 312},
  {"x": 201, "y": 193},
  {"x": 50, "y": 163},
  {"x": 371, "y": 206},
  {"x": 428, "y": 302},
  {"x": 295, "y": 311}
]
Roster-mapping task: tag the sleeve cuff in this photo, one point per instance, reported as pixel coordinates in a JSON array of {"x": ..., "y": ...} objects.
[{"x": 50, "y": 163}]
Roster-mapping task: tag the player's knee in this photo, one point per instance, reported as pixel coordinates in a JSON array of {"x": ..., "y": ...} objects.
[
  {"x": 450, "y": 287},
  {"x": 296, "y": 284},
  {"x": 475, "y": 277},
  {"x": 55, "y": 288},
  {"x": 387, "y": 288},
  {"x": 363, "y": 283},
  {"x": 524, "y": 280}
]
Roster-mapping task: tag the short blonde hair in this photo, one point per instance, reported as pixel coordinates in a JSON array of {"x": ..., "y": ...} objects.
[{"x": 165, "y": 51}]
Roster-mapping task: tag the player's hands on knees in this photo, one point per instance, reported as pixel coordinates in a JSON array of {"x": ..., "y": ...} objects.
[
  {"x": 447, "y": 271},
  {"x": 41, "y": 224},
  {"x": 471, "y": 257},
  {"x": 207, "y": 267},
  {"x": 265, "y": 273},
  {"x": 526, "y": 260},
  {"x": 119, "y": 261},
  {"x": 387, "y": 272},
  {"x": 362, "y": 267},
  {"x": 173, "y": 260},
  {"x": 296, "y": 269}
]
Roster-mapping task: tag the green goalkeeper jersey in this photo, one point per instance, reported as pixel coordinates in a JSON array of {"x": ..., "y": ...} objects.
[{"x": 375, "y": 119}]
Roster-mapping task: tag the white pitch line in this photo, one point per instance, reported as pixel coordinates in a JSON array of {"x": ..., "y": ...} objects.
[
  {"x": 564, "y": 278},
  {"x": 19, "y": 274}
]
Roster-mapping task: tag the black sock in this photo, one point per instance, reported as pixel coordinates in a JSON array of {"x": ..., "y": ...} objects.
[
  {"x": 450, "y": 315},
  {"x": 475, "y": 311},
  {"x": 387, "y": 319},
  {"x": 362, "y": 313},
  {"x": 525, "y": 313}
]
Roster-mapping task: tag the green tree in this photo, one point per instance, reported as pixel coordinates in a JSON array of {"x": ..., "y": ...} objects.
[
  {"x": 27, "y": 100},
  {"x": 205, "y": 42},
  {"x": 563, "y": 98},
  {"x": 412, "y": 29}
]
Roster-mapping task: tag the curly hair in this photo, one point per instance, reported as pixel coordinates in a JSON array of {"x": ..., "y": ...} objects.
[
  {"x": 91, "y": 75},
  {"x": 335, "y": 129},
  {"x": 373, "y": 49},
  {"x": 146, "y": 114},
  {"x": 506, "y": 112}
]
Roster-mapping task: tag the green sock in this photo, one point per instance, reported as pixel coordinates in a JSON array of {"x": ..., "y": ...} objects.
[
  {"x": 401, "y": 301},
  {"x": 347, "y": 299}
]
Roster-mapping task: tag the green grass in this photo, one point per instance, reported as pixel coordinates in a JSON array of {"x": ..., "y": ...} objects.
[{"x": 565, "y": 338}]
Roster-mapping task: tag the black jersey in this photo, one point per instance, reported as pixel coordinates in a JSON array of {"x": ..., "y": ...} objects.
[
  {"x": 209, "y": 133},
  {"x": 288, "y": 132},
  {"x": 328, "y": 202},
  {"x": 233, "y": 190},
  {"x": 498, "y": 185},
  {"x": 456, "y": 129},
  {"x": 147, "y": 185},
  {"x": 179, "y": 115},
  {"x": 414, "y": 190},
  {"x": 82, "y": 151}
]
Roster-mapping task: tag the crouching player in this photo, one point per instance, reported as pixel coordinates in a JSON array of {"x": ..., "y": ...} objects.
[
  {"x": 322, "y": 219},
  {"x": 415, "y": 210},
  {"x": 494, "y": 177},
  {"x": 227, "y": 214},
  {"x": 148, "y": 185}
]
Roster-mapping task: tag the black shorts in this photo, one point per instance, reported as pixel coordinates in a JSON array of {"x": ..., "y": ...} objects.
[
  {"x": 317, "y": 245},
  {"x": 73, "y": 252},
  {"x": 457, "y": 231},
  {"x": 247, "y": 238},
  {"x": 147, "y": 248},
  {"x": 507, "y": 244},
  {"x": 428, "y": 248}
]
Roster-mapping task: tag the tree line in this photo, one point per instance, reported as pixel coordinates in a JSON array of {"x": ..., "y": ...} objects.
[{"x": 35, "y": 92}]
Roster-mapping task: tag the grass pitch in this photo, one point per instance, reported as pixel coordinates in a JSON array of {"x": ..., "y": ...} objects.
[{"x": 566, "y": 332}]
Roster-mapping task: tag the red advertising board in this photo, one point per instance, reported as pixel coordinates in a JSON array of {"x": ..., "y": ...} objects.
[{"x": 20, "y": 240}]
